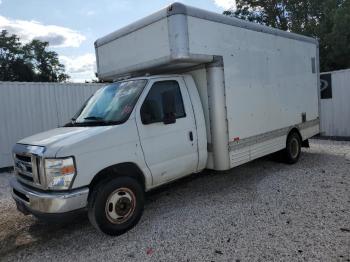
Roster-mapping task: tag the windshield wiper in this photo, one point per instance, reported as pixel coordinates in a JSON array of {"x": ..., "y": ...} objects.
[
  {"x": 71, "y": 123},
  {"x": 96, "y": 121},
  {"x": 94, "y": 118}
]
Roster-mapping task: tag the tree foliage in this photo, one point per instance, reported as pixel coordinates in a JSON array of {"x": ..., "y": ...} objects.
[
  {"x": 327, "y": 20},
  {"x": 30, "y": 62}
]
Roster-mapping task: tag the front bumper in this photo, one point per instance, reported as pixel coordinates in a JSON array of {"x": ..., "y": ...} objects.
[{"x": 35, "y": 201}]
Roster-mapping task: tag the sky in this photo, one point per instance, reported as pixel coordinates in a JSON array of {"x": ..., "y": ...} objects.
[{"x": 72, "y": 26}]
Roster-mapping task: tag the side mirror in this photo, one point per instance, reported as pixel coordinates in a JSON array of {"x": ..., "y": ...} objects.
[
  {"x": 168, "y": 101},
  {"x": 146, "y": 119},
  {"x": 146, "y": 113}
]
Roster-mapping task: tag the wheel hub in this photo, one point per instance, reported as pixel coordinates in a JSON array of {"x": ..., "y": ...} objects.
[
  {"x": 120, "y": 205},
  {"x": 123, "y": 206},
  {"x": 294, "y": 147}
]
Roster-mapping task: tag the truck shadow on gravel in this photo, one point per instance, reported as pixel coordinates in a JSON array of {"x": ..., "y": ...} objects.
[
  {"x": 20, "y": 232},
  {"x": 244, "y": 177}
]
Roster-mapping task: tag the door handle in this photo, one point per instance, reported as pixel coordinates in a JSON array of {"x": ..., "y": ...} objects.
[{"x": 191, "y": 135}]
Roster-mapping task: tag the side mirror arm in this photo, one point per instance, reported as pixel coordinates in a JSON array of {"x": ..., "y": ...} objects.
[{"x": 169, "y": 119}]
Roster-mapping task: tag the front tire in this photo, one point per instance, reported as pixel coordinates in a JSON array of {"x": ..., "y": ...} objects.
[{"x": 116, "y": 205}]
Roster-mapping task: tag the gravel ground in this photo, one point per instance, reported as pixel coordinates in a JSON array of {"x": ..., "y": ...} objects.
[{"x": 261, "y": 211}]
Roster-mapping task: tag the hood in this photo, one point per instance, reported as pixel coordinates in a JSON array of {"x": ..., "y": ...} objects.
[{"x": 59, "y": 137}]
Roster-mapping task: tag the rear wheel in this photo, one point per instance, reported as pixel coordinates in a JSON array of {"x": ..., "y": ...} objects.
[
  {"x": 292, "y": 151},
  {"x": 116, "y": 205}
]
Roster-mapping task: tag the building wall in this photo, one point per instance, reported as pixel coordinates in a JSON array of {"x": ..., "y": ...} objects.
[
  {"x": 29, "y": 108},
  {"x": 335, "y": 110}
]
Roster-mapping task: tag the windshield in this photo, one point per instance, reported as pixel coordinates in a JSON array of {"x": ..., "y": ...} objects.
[{"x": 112, "y": 104}]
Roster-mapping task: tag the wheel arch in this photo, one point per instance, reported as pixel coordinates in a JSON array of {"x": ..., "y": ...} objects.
[
  {"x": 128, "y": 169},
  {"x": 295, "y": 130}
]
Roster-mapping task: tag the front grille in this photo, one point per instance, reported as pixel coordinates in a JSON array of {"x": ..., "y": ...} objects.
[
  {"x": 27, "y": 169},
  {"x": 24, "y": 158},
  {"x": 25, "y": 177}
]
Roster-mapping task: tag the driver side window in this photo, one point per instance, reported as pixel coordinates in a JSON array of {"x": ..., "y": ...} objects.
[{"x": 153, "y": 109}]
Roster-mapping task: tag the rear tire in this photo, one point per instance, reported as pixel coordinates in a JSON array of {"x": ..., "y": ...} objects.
[
  {"x": 116, "y": 205},
  {"x": 292, "y": 151}
]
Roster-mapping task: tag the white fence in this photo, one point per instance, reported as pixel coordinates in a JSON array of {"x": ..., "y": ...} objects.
[
  {"x": 29, "y": 108},
  {"x": 335, "y": 104}
]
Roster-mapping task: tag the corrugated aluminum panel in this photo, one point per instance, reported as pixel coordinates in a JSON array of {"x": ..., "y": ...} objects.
[
  {"x": 335, "y": 111},
  {"x": 29, "y": 108}
]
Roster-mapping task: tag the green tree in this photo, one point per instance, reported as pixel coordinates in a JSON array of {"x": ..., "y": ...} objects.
[
  {"x": 335, "y": 41},
  {"x": 13, "y": 66},
  {"x": 327, "y": 20},
  {"x": 29, "y": 62}
]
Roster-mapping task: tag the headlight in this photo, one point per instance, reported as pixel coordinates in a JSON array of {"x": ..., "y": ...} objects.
[{"x": 59, "y": 173}]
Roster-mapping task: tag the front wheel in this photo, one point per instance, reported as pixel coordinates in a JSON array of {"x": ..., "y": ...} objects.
[{"x": 116, "y": 205}]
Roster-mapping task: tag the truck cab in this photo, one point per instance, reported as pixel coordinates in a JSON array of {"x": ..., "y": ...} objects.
[{"x": 150, "y": 130}]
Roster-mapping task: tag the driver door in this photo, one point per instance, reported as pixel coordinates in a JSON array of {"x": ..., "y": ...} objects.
[{"x": 167, "y": 130}]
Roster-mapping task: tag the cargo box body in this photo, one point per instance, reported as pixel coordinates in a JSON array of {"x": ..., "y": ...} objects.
[{"x": 255, "y": 83}]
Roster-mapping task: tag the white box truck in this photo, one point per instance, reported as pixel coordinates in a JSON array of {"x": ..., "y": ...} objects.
[{"x": 190, "y": 90}]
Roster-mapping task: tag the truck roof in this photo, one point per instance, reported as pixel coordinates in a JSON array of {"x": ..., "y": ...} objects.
[{"x": 179, "y": 8}]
